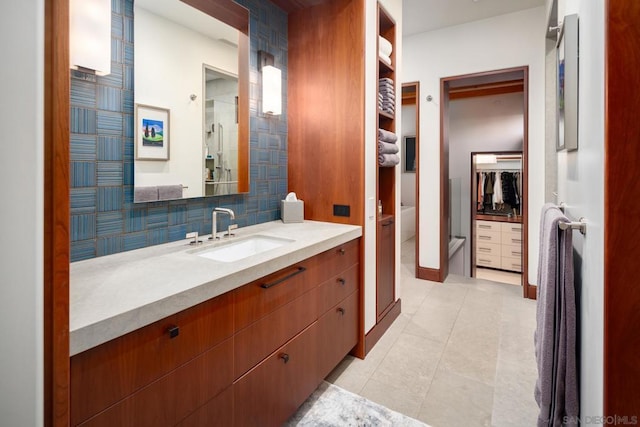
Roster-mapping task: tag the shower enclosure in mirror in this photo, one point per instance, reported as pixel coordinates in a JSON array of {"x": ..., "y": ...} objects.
[{"x": 195, "y": 66}]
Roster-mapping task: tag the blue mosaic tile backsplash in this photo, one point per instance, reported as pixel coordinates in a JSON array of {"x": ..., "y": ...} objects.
[{"x": 104, "y": 219}]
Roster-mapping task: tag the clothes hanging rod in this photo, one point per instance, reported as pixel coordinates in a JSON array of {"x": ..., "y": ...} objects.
[{"x": 580, "y": 225}]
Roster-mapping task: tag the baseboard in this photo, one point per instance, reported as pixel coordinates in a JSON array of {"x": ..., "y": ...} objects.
[
  {"x": 432, "y": 274},
  {"x": 532, "y": 291},
  {"x": 374, "y": 335}
]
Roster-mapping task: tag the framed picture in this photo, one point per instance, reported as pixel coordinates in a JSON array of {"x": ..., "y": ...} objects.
[
  {"x": 409, "y": 158},
  {"x": 567, "y": 85},
  {"x": 152, "y": 133}
]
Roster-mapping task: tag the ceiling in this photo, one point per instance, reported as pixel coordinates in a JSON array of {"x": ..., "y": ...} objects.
[{"x": 426, "y": 15}]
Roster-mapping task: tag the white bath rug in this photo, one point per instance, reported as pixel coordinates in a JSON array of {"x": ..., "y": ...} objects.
[{"x": 332, "y": 406}]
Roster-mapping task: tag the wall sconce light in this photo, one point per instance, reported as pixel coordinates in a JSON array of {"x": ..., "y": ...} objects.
[
  {"x": 90, "y": 35},
  {"x": 271, "y": 84}
]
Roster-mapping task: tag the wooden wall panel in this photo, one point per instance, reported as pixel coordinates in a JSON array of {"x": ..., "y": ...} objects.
[
  {"x": 326, "y": 109},
  {"x": 56, "y": 213},
  {"x": 622, "y": 209}
]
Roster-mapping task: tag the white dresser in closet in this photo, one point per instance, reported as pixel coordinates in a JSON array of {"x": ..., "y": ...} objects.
[{"x": 499, "y": 245}]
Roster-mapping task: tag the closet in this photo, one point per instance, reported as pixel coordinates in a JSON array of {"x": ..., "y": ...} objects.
[{"x": 497, "y": 191}]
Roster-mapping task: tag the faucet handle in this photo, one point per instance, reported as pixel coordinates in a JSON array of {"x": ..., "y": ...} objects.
[
  {"x": 194, "y": 236},
  {"x": 231, "y": 227}
]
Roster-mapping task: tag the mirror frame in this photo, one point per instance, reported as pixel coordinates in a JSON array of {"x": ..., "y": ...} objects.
[{"x": 237, "y": 16}]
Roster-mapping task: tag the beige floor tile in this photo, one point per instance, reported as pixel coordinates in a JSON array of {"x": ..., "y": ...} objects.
[
  {"x": 397, "y": 398},
  {"x": 432, "y": 321},
  {"x": 513, "y": 402},
  {"x": 410, "y": 364},
  {"x": 454, "y": 400}
]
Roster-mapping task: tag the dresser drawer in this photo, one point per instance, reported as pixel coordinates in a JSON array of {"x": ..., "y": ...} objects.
[
  {"x": 483, "y": 248},
  {"x": 258, "y": 340},
  {"x": 338, "y": 288},
  {"x": 484, "y": 236},
  {"x": 337, "y": 260},
  {"x": 173, "y": 397},
  {"x": 513, "y": 239},
  {"x": 105, "y": 374},
  {"x": 511, "y": 264},
  {"x": 512, "y": 251},
  {"x": 488, "y": 225},
  {"x": 511, "y": 227},
  {"x": 271, "y": 392},
  {"x": 218, "y": 409},
  {"x": 263, "y": 296},
  {"x": 492, "y": 261}
]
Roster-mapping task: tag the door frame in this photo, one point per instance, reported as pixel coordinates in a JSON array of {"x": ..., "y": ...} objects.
[{"x": 528, "y": 291}]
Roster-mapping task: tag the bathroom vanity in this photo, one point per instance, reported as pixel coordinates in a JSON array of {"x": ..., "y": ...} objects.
[{"x": 166, "y": 336}]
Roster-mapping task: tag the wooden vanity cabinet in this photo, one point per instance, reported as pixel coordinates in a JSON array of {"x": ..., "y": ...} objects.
[
  {"x": 385, "y": 286},
  {"x": 248, "y": 357}
]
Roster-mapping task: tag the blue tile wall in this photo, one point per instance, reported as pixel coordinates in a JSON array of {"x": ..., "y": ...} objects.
[{"x": 104, "y": 219}]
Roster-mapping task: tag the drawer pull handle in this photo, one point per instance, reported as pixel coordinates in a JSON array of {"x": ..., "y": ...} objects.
[
  {"x": 515, "y": 253},
  {"x": 485, "y": 237},
  {"x": 285, "y": 357},
  {"x": 287, "y": 277},
  {"x": 342, "y": 281},
  {"x": 173, "y": 331},
  {"x": 484, "y": 249},
  {"x": 341, "y": 251},
  {"x": 484, "y": 226},
  {"x": 485, "y": 260},
  {"x": 516, "y": 240},
  {"x": 515, "y": 229},
  {"x": 340, "y": 310}
]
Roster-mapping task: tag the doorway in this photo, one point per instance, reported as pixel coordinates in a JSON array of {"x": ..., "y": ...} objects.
[{"x": 481, "y": 87}]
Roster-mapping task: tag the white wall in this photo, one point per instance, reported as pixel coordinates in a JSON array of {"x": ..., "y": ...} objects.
[
  {"x": 408, "y": 184},
  {"x": 488, "y": 123},
  {"x": 21, "y": 216},
  {"x": 394, "y": 7},
  {"x": 511, "y": 40},
  {"x": 168, "y": 66},
  {"x": 581, "y": 187}
]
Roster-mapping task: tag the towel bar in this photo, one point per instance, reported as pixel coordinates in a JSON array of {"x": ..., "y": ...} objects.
[{"x": 580, "y": 225}]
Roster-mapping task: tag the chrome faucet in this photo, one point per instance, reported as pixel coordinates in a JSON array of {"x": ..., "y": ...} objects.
[{"x": 214, "y": 222}]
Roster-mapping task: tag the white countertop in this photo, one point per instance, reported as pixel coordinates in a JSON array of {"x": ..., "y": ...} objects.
[{"x": 116, "y": 294}]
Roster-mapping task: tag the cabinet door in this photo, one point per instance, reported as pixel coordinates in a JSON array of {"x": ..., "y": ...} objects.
[
  {"x": 385, "y": 266},
  {"x": 338, "y": 333},
  {"x": 271, "y": 392}
]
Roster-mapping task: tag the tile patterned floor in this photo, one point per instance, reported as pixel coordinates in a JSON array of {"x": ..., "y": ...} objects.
[{"x": 460, "y": 354}]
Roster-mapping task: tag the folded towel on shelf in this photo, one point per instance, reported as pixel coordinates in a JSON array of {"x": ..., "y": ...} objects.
[
  {"x": 145, "y": 194},
  {"x": 387, "y": 136},
  {"x": 387, "y": 148},
  {"x": 384, "y": 46},
  {"x": 169, "y": 192},
  {"x": 385, "y": 59},
  {"x": 386, "y": 80},
  {"x": 388, "y": 160}
]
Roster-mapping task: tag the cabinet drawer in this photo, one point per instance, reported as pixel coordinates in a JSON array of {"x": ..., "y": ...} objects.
[
  {"x": 512, "y": 251},
  {"x": 218, "y": 411},
  {"x": 511, "y": 264},
  {"x": 511, "y": 239},
  {"x": 483, "y": 248},
  {"x": 263, "y": 296},
  {"x": 338, "y": 288},
  {"x": 336, "y": 260},
  {"x": 174, "y": 396},
  {"x": 510, "y": 227},
  {"x": 271, "y": 392},
  {"x": 338, "y": 333},
  {"x": 487, "y": 225},
  {"x": 492, "y": 261},
  {"x": 258, "y": 340},
  {"x": 103, "y": 375},
  {"x": 484, "y": 236}
]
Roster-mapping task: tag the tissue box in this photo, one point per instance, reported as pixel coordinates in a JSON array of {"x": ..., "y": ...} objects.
[{"x": 292, "y": 211}]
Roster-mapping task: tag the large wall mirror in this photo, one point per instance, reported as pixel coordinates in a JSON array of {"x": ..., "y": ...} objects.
[{"x": 191, "y": 130}]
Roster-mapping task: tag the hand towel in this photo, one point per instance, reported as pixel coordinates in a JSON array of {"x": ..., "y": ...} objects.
[
  {"x": 388, "y": 160},
  {"x": 384, "y": 46},
  {"x": 387, "y": 148},
  {"x": 145, "y": 194},
  {"x": 170, "y": 192},
  {"x": 556, "y": 390},
  {"x": 387, "y": 136},
  {"x": 385, "y": 59},
  {"x": 386, "y": 80}
]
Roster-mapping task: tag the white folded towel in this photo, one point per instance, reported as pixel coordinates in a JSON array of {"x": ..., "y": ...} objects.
[
  {"x": 385, "y": 59},
  {"x": 384, "y": 46}
]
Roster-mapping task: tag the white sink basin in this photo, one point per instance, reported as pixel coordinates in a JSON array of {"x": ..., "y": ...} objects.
[{"x": 243, "y": 248}]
